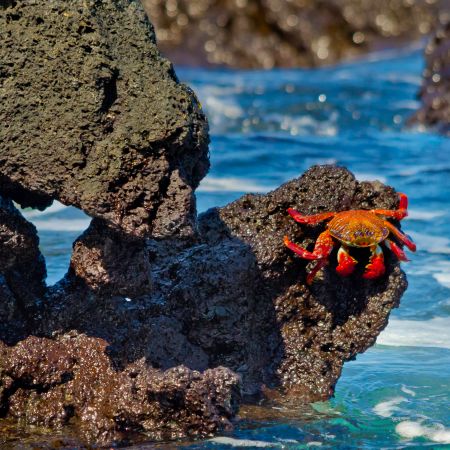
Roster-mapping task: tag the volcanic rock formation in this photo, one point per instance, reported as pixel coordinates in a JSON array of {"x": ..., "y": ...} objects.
[
  {"x": 85, "y": 92},
  {"x": 280, "y": 33},
  {"x": 163, "y": 316},
  {"x": 435, "y": 91}
]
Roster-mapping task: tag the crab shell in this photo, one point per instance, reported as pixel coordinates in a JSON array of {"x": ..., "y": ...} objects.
[{"x": 358, "y": 228}]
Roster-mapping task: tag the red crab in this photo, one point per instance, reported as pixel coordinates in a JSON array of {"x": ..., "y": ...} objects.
[{"x": 354, "y": 228}]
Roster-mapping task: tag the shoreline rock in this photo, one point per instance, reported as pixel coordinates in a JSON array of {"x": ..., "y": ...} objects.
[{"x": 163, "y": 317}]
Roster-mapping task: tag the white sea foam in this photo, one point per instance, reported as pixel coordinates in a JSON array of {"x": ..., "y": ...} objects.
[
  {"x": 416, "y": 214},
  {"x": 62, "y": 224},
  {"x": 441, "y": 273},
  {"x": 222, "y": 107},
  {"x": 410, "y": 429},
  {"x": 388, "y": 407},
  {"x": 434, "y": 332},
  {"x": 407, "y": 104},
  {"x": 55, "y": 207},
  {"x": 242, "y": 442},
  {"x": 408, "y": 391},
  {"x": 363, "y": 176},
  {"x": 431, "y": 243},
  {"x": 442, "y": 278},
  {"x": 231, "y": 184}
]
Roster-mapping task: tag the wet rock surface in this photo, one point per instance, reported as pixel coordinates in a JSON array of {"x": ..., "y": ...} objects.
[
  {"x": 234, "y": 296},
  {"x": 275, "y": 33},
  {"x": 49, "y": 382},
  {"x": 164, "y": 318},
  {"x": 95, "y": 119},
  {"x": 435, "y": 91}
]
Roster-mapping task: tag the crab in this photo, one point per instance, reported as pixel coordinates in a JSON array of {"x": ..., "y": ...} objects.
[{"x": 354, "y": 228}]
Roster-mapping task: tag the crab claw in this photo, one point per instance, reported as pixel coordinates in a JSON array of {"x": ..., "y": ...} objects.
[
  {"x": 346, "y": 262},
  {"x": 375, "y": 268}
]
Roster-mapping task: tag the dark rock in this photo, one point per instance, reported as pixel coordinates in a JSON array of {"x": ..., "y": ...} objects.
[
  {"x": 276, "y": 33},
  {"x": 435, "y": 91},
  {"x": 238, "y": 298},
  {"x": 96, "y": 119},
  {"x": 22, "y": 272},
  {"x": 48, "y": 382},
  {"x": 110, "y": 262}
]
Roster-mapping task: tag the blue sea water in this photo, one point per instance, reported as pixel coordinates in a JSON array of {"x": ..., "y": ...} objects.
[{"x": 270, "y": 126}]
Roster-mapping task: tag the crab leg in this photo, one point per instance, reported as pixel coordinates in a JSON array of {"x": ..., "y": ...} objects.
[
  {"x": 322, "y": 250},
  {"x": 315, "y": 218},
  {"x": 400, "y": 236},
  {"x": 346, "y": 262},
  {"x": 312, "y": 274},
  {"x": 396, "y": 250},
  {"x": 375, "y": 268},
  {"x": 397, "y": 214}
]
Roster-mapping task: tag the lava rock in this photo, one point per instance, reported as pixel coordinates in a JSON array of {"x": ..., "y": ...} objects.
[
  {"x": 161, "y": 313},
  {"x": 234, "y": 298},
  {"x": 238, "y": 298},
  {"x": 110, "y": 262},
  {"x": 48, "y": 382},
  {"x": 276, "y": 33},
  {"x": 94, "y": 117},
  {"x": 435, "y": 91}
]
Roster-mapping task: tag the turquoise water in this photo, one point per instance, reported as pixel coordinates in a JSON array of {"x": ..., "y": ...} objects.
[{"x": 268, "y": 127}]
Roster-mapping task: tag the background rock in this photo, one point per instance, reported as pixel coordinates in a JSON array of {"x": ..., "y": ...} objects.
[
  {"x": 435, "y": 91},
  {"x": 293, "y": 33},
  {"x": 94, "y": 117}
]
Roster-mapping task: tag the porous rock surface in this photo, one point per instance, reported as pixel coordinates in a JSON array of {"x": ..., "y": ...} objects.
[
  {"x": 435, "y": 91},
  {"x": 286, "y": 33},
  {"x": 237, "y": 297},
  {"x": 94, "y": 117}
]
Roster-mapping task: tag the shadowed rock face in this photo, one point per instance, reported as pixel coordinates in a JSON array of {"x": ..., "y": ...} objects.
[
  {"x": 238, "y": 298},
  {"x": 162, "y": 317},
  {"x": 22, "y": 272},
  {"x": 277, "y": 33},
  {"x": 94, "y": 117},
  {"x": 435, "y": 91}
]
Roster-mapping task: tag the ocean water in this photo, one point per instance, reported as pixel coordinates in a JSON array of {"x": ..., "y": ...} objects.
[{"x": 270, "y": 126}]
